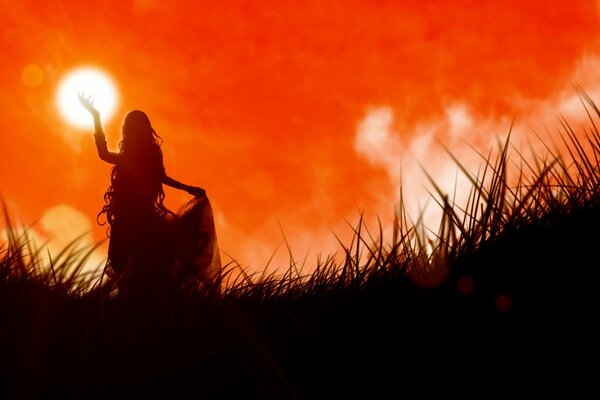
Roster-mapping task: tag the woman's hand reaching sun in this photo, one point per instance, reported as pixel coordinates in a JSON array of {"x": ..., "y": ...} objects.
[{"x": 88, "y": 104}]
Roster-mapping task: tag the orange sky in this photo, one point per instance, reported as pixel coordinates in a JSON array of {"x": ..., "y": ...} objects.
[{"x": 259, "y": 102}]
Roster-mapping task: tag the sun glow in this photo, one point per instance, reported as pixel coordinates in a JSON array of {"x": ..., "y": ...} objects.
[{"x": 90, "y": 81}]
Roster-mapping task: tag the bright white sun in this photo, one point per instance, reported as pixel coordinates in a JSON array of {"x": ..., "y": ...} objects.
[{"x": 91, "y": 82}]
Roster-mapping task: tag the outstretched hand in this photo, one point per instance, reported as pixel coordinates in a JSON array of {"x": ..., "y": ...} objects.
[
  {"x": 196, "y": 191},
  {"x": 88, "y": 104}
]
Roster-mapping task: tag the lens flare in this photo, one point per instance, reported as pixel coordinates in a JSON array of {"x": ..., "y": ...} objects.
[
  {"x": 32, "y": 76},
  {"x": 90, "y": 81}
]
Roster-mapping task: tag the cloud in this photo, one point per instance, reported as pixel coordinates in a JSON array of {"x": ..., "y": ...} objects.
[
  {"x": 405, "y": 152},
  {"x": 405, "y": 156},
  {"x": 377, "y": 141},
  {"x": 459, "y": 119}
]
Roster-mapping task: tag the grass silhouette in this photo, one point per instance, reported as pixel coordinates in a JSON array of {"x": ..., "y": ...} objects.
[{"x": 501, "y": 299}]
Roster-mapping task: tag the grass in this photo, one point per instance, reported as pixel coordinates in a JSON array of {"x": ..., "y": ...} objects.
[{"x": 502, "y": 295}]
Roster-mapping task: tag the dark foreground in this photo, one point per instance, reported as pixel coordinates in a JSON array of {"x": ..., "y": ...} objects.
[{"x": 385, "y": 340}]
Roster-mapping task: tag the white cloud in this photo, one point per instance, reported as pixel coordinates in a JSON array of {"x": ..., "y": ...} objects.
[
  {"x": 377, "y": 141},
  {"x": 404, "y": 156},
  {"x": 459, "y": 119}
]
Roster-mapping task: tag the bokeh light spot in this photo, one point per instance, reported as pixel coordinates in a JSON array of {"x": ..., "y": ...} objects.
[
  {"x": 431, "y": 278},
  {"x": 465, "y": 285},
  {"x": 32, "y": 76},
  {"x": 503, "y": 303}
]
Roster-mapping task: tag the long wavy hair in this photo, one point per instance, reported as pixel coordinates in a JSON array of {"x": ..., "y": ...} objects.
[{"x": 137, "y": 177}]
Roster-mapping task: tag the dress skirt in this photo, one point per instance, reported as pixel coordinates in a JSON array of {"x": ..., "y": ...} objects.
[{"x": 149, "y": 253}]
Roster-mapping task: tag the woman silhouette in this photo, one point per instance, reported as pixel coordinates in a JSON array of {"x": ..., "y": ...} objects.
[{"x": 151, "y": 249}]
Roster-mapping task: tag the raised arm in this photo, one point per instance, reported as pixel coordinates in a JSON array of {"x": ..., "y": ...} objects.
[
  {"x": 195, "y": 191},
  {"x": 99, "y": 137},
  {"x": 103, "y": 152}
]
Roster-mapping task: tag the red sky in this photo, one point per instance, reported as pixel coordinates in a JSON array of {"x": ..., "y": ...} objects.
[{"x": 259, "y": 102}]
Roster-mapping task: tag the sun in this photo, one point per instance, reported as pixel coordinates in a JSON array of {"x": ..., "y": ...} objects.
[{"x": 90, "y": 81}]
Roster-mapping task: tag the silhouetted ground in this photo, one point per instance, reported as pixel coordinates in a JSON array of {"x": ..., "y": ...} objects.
[{"x": 392, "y": 339}]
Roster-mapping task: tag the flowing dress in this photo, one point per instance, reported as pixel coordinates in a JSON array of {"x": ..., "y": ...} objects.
[
  {"x": 153, "y": 250},
  {"x": 196, "y": 259}
]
